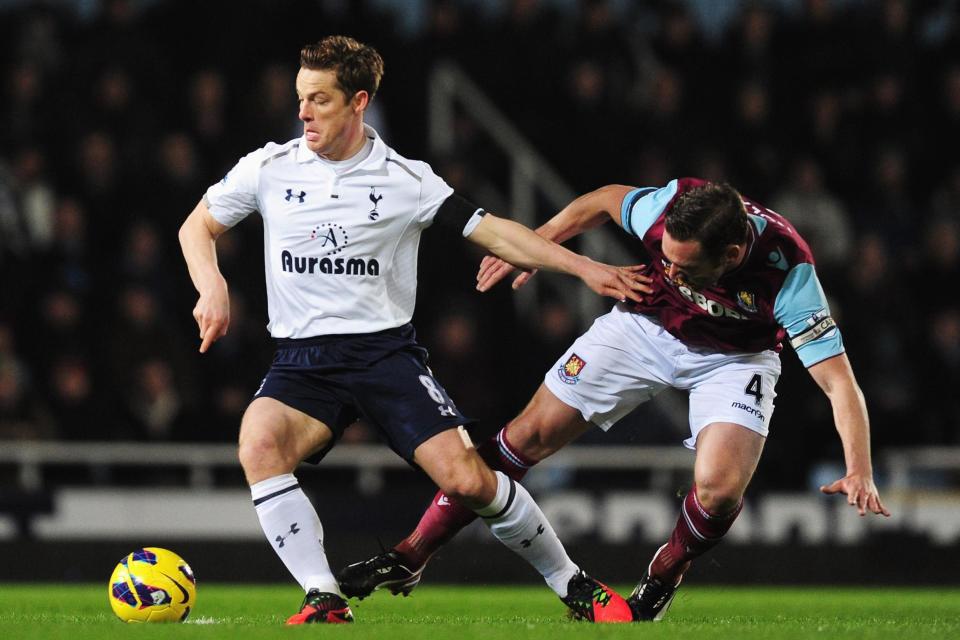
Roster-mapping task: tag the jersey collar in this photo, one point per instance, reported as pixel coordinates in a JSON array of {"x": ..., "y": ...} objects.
[{"x": 377, "y": 157}]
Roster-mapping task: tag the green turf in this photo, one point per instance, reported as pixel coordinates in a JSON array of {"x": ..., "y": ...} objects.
[{"x": 436, "y": 613}]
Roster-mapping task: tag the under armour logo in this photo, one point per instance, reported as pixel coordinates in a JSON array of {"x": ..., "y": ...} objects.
[
  {"x": 527, "y": 543},
  {"x": 447, "y": 410},
  {"x": 375, "y": 199},
  {"x": 293, "y": 531},
  {"x": 291, "y": 194}
]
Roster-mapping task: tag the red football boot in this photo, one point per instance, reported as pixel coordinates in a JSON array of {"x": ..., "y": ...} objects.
[
  {"x": 322, "y": 607},
  {"x": 594, "y": 601}
]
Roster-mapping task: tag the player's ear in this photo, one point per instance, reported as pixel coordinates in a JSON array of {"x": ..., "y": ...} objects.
[
  {"x": 734, "y": 252},
  {"x": 359, "y": 101}
]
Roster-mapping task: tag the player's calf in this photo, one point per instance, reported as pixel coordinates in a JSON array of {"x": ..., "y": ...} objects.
[
  {"x": 400, "y": 569},
  {"x": 696, "y": 532},
  {"x": 445, "y": 516}
]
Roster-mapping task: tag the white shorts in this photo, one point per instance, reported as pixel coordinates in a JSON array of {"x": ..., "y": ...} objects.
[{"x": 626, "y": 358}]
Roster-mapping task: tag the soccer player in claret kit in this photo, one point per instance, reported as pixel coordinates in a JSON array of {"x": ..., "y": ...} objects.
[
  {"x": 342, "y": 215},
  {"x": 729, "y": 281}
]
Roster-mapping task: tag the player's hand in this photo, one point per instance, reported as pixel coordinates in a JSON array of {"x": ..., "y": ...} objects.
[
  {"x": 861, "y": 493},
  {"x": 621, "y": 283},
  {"x": 212, "y": 314},
  {"x": 493, "y": 270}
]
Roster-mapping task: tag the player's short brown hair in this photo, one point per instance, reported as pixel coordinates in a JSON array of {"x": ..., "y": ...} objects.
[
  {"x": 713, "y": 215},
  {"x": 358, "y": 66}
]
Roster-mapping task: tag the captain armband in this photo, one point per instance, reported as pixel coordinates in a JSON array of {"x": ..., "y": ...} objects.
[
  {"x": 813, "y": 332},
  {"x": 458, "y": 212}
]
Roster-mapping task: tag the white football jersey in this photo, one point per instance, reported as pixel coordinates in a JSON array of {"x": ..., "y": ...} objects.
[{"x": 340, "y": 247}]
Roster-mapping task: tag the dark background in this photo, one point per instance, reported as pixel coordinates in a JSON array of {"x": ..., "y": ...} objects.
[{"x": 117, "y": 115}]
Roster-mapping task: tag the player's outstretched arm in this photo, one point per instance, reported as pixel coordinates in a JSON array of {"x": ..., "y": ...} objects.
[
  {"x": 198, "y": 236},
  {"x": 835, "y": 376},
  {"x": 520, "y": 246},
  {"x": 586, "y": 212}
]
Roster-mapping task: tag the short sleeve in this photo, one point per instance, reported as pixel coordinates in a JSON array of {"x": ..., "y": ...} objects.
[
  {"x": 433, "y": 191},
  {"x": 235, "y": 196},
  {"x": 641, "y": 207},
  {"x": 801, "y": 308}
]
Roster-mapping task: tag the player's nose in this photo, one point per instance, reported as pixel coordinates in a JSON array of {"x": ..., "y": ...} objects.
[{"x": 304, "y": 112}]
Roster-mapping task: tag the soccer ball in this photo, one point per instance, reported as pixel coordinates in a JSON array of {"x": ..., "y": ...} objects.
[{"x": 152, "y": 585}]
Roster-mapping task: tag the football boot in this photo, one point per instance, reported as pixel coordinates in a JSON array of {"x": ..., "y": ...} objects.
[
  {"x": 591, "y": 600},
  {"x": 320, "y": 607},
  {"x": 384, "y": 570},
  {"x": 651, "y": 598}
]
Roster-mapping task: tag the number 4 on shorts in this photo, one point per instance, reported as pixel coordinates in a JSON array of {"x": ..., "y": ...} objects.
[{"x": 755, "y": 388}]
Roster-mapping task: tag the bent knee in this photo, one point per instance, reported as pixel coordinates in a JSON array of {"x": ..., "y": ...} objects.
[
  {"x": 471, "y": 487},
  {"x": 261, "y": 452},
  {"x": 719, "y": 496},
  {"x": 275, "y": 438},
  {"x": 265, "y": 451},
  {"x": 258, "y": 446}
]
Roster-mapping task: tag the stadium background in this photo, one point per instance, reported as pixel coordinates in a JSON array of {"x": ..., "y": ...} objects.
[{"x": 116, "y": 116}]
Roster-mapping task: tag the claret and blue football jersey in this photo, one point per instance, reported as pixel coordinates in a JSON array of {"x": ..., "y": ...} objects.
[{"x": 773, "y": 294}]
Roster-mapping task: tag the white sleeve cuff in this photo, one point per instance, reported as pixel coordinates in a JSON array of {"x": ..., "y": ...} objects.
[{"x": 473, "y": 222}]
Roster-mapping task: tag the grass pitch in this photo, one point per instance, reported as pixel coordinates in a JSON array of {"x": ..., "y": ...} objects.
[{"x": 81, "y": 612}]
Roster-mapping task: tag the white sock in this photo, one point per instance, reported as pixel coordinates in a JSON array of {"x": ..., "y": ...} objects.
[
  {"x": 294, "y": 531},
  {"x": 516, "y": 520}
]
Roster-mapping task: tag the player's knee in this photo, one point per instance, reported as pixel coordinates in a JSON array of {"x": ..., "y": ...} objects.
[
  {"x": 469, "y": 486},
  {"x": 261, "y": 454},
  {"x": 718, "y": 495}
]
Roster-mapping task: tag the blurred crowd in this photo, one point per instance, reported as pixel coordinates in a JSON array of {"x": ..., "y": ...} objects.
[{"x": 842, "y": 116}]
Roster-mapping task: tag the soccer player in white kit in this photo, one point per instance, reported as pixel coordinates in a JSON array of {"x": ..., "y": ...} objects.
[{"x": 342, "y": 216}]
